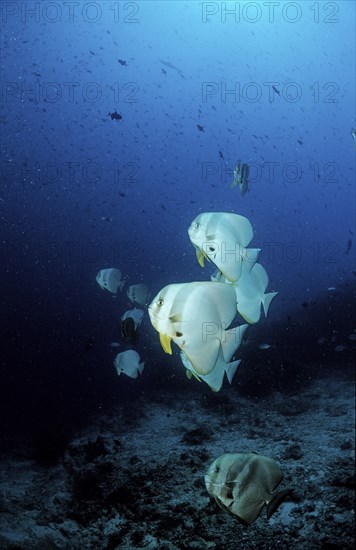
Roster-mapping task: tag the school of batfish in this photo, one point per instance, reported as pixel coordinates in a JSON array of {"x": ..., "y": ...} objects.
[{"x": 198, "y": 316}]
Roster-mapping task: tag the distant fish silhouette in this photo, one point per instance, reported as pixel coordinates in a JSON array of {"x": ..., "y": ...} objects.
[
  {"x": 200, "y": 128},
  {"x": 115, "y": 116},
  {"x": 122, "y": 62},
  {"x": 241, "y": 174},
  {"x": 348, "y": 246},
  {"x": 171, "y": 66}
]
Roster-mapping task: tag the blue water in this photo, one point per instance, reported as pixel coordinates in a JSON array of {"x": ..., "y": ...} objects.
[{"x": 81, "y": 192}]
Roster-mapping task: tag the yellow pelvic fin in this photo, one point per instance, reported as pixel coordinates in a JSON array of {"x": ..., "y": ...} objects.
[
  {"x": 200, "y": 257},
  {"x": 165, "y": 343}
]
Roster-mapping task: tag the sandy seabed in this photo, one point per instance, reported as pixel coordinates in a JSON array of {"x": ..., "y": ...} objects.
[{"x": 135, "y": 478}]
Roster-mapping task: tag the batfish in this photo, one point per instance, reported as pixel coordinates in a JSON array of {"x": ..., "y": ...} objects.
[
  {"x": 250, "y": 293},
  {"x": 222, "y": 237},
  {"x": 243, "y": 483},
  {"x": 130, "y": 321},
  {"x": 128, "y": 362},
  {"x": 139, "y": 294},
  {"x": 197, "y": 317},
  {"x": 110, "y": 279}
]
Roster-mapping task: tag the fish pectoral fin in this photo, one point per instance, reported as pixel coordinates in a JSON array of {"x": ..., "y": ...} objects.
[
  {"x": 176, "y": 318},
  {"x": 165, "y": 343},
  {"x": 276, "y": 501},
  {"x": 211, "y": 237}
]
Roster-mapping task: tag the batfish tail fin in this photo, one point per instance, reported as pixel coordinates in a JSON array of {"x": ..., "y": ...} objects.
[
  {"x": 231, "y": 370},
  {"x": 121, "y": 284},
  {"x": 276, "y": 501},
  {"x": 266, "y": 301},
  {"x": 215, "y": 378},
  {"x": 232, "y": 340},
  {"x": 141, "y": 366}
]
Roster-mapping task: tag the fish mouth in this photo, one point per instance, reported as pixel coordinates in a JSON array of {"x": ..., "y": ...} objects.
[
  {"x": 192, "y": 232},
  {"x": 208, "y": 481},
  {"x": 192, "y": 235}
]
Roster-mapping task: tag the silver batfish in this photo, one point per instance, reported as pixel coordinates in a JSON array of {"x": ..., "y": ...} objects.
[{"x": 243, "y": 483}]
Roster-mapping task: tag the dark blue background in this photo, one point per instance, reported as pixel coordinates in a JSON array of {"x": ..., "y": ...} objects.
[{"x": 81, "y": 192}]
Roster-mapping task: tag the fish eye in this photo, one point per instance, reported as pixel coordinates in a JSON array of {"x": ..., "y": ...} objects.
[
  {"x": 179, "y": 334},
  {"x": 197, "y": 225},
  {"x": 160, "y": 302},
  {"x": 217, "y": 469}
]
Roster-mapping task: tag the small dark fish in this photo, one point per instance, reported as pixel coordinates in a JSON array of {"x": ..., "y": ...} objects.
[
  {"x": 130, "y": 322},
  {"x": 348, "y": 247},
  {"x": 305, "y": 304},
  {"x": 200, "y": 128},
  {"x": 163, "y": 71},
  {"x": 300, "y": 141},
  {"x": 245, "y": 172},
  {"x": 122, "y": 62},
  {"x": 221, "y": 155},
  {"x": 276, "y": 91},
  {"x": 171, "y": 66},
  {"x": 122, "y": 194},
  {"x": 115, "y": 116},
  {"x": 128, "y": 331}
]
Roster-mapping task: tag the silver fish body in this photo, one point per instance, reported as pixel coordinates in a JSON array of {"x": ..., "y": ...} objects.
[{"x": 243, "y": 483}]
